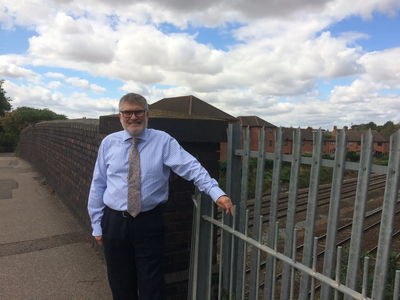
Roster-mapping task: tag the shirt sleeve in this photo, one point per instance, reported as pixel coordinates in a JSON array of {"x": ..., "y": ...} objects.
[
  {"x": 99, "y": 184},
  {"x": 188, "y": 167}
]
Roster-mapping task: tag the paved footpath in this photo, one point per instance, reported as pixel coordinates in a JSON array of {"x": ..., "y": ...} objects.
[{"x": 44, "y": 252}]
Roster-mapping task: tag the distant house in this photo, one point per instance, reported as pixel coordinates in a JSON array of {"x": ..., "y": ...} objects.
[
  {"x": 306, "y": 136},
  {"x": 381, "y": 142},
  {"x": 255, "y": 124}
]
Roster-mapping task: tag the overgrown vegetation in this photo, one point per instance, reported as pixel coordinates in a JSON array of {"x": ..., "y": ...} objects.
[
  {"x": 371, "y": 267},
  {"x": 5, "y": 104},
  {"x": 381, "y": 159},
  {"x": 12, "y": 123}
]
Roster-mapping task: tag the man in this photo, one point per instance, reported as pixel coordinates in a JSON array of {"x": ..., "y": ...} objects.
[{"x": 130, "y": 180}]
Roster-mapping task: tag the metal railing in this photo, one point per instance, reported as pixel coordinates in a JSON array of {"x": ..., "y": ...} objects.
[{"x": 224, "y": 277}]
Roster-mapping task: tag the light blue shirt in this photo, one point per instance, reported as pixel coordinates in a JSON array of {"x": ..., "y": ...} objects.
[{"x": 159, "y": 154}]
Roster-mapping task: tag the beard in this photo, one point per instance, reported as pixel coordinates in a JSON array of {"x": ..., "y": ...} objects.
[{"x": 135, "y": 131}]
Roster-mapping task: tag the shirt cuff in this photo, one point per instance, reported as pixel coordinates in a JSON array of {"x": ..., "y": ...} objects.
[
  {"x": 215, "y": 193},
  {"x": 97, "y": 231}
]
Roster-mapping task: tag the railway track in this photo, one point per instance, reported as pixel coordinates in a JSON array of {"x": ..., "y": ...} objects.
[
  {"x": 348, "y": 191},
  {"x": 372, "y": 221}
]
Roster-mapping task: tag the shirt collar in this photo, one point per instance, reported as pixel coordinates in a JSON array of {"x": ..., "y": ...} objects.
[{"x": 126, "y": 136}]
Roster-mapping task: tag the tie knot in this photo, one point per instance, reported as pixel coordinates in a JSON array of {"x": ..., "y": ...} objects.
[{"x": 134, "y": 142}]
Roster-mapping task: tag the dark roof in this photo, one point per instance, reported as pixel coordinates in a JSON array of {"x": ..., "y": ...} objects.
[
  {"x": 306, "y": 134},
  {"x": 156, "y": 113},
  {"x": 254, "y": 121},
  {"x": 355, "y": 136},
  {"x": 192, "y": 106}
]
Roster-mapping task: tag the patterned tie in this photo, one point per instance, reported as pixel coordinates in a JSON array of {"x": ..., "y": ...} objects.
[{"x": 134, "y": 195}]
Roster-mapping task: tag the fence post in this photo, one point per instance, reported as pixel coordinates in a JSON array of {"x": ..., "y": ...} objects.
[
  {"x": 360, "y": 208},
  {"x": 241, "y": 214},
  {"x": 202, "y": 249},
  {"x": 311, "y": 212},
  {"x": 257, "y": 220},
  {"x": 387, "y": 221},
  {"x": 273, "y": 213},
  {"x": 334, "y": 212},
  {"x": 233, "y": 172},
  {"x": 291, "y": 211}
]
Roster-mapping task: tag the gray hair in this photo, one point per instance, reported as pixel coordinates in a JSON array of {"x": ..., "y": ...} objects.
[{"x": 133, "y": 98}]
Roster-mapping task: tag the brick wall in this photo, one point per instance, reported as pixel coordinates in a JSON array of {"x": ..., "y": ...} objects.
[{"x": 64, "y": 152}]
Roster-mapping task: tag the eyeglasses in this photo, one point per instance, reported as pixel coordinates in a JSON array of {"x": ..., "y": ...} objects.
[{"x": 129, "y": 113}]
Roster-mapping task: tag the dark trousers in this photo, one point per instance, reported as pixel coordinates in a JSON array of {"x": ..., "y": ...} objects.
[{"x": 134, "y": 250}]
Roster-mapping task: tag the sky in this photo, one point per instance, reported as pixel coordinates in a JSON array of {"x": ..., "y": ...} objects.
[{"x": 318, "y": 63}]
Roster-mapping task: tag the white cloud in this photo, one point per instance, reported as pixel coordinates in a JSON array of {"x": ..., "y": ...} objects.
[
  {"x": 85, "y": 85},
  {"x": 279, "y": 50},
  {"x": 76, "y": 105},
  {"x": 55, "y": 85},
  {"x": 54, "y": 75}
]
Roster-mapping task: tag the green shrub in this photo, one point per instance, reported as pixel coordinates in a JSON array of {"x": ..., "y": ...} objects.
[
  {"x": 353, "y": 156},
  {"x": 390, "y": 275}
]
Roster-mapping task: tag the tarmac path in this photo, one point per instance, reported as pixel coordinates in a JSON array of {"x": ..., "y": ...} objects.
[{"x": 44, "y": 252}]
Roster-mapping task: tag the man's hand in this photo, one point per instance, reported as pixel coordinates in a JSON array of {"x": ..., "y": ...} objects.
[
  {"x": 225, "y": 203},
  {"x": 99, "y": 240}
]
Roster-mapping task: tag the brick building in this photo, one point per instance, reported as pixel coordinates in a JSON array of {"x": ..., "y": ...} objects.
[{"x": 381, "y": 142}]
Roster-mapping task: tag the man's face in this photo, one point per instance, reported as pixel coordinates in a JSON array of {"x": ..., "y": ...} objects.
[{"x": 133, "y": 125}]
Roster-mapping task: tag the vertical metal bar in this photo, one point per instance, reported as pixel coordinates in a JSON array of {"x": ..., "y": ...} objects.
[
  {"x": 311, "y": 212},
  {"x": 314, "y": 268},
  {"x": 233, "y": 258},
  {"x": 233, "y": 171},
  {"x": 273, "y": 213},
  {"x": 396, "y": 286},
  {"x": 196, "y": 246},
  {"x": 257, "y": 226},
  {"x": 203, "y": 286},
  {"x": 387, "y": 221},
  {"x": 294, "y": 253},
  {"x": 211, "y": 248},
  {"x": 391, "y": 142},
  {"x": 192, "y": 248},
  {"x": 291, "y": 210},
  {"x": 221, "y": 258},
  {"x": 334, "y": 211},
  {"x": 338, "y": 270},
  {"x": 258, "y": 259},
  {"x": 274, "y": 263},
  {"x": 360, "y": 208},
  {"x": 242, "y": 209},
  {"x": 246, "y": 231},
  {"x": 365, "y": 277}
]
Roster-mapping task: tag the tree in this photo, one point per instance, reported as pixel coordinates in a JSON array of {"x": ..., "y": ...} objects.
[
  {"x": 371, "y": 125},
  {"x": 14, "y": 122},
  {"x": 4, "y": 101},
  {"x": 33, "y": 115},
  {"x": 388, "y": 128}
]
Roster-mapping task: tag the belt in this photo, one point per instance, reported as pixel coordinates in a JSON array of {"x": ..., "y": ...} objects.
[{"x": 125, "y": 213}]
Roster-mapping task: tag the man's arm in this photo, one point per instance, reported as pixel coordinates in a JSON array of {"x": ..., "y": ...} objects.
[
  {"x": 95, "y": 203},
  {"x": 188, "y": 167}
]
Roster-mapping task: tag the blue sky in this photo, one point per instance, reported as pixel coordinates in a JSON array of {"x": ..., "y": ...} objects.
[{"x": 292, "y": 64}]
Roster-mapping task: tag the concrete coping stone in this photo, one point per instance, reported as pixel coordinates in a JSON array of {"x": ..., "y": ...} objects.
[{"x": 84, "y": 124}]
